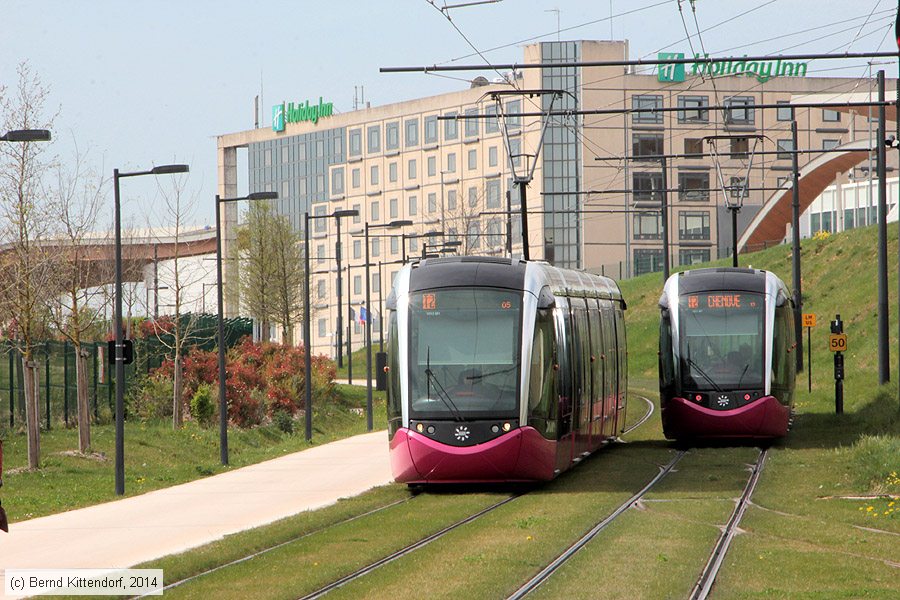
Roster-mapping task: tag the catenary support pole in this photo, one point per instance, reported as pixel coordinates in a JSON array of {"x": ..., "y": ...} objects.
[
  {"x": 884, "y": 365},
  {"x": 795, "y": 251}
]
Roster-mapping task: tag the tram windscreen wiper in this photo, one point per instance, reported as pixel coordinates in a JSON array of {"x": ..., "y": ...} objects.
[
  {"x": 744, "y": 372},
  {"x": 697, "y": 368},
  {"x": 442, "y": 394}
]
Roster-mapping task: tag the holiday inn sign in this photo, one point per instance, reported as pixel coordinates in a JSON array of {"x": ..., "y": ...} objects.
[
  {"x": 295, "y": 113},
  {"x": 762, "y": 70}
]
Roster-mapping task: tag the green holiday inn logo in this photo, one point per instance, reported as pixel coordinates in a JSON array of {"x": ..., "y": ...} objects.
[
  {"x": 762, "y": 70},
  {"x": 295, "y": 113}
]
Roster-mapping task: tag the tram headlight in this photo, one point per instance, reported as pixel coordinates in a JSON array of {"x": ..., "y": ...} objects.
[
  {"x": 507, "y": 426},
  {"x": 420, "y": 428}
]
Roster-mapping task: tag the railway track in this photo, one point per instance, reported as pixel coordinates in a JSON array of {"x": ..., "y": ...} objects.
[
  {"x": 393, "y": 556},
  {"x": 711, "y": 570}
]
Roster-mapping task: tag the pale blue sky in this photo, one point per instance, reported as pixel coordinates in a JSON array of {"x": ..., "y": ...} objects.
[{"x": 144, "y": 83}]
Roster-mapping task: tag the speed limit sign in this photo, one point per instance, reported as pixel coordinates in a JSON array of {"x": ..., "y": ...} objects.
[{"x": 837, "y": 342}]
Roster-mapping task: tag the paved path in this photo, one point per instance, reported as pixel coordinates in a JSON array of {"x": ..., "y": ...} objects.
[{"x": 137, "y": 529}]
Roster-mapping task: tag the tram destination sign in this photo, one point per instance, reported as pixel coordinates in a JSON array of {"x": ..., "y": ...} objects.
[
  {"x": 762, "y": 70},
  {"x": 720, "y": 301}
]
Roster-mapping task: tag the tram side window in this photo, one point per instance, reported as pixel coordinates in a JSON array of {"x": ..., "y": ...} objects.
[
  {"x": 666, "y": 359},
  {"x": 783, "y": 362},
  {"x": 394, "y": 412},
  {"x": 541, "y": 392}
]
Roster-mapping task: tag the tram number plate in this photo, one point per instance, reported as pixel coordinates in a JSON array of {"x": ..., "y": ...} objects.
[
  {"x": 809, "y": 320},
  {"x": 837, "y": 342}
]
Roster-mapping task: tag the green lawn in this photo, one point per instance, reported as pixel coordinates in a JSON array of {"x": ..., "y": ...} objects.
[{"x": 157, "y": 457}]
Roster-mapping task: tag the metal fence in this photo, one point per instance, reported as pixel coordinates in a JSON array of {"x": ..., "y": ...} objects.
[{"x": 57, "y": 380}]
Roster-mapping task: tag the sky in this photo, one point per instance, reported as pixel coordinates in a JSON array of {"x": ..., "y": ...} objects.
[{"x": 139, "y": 84}]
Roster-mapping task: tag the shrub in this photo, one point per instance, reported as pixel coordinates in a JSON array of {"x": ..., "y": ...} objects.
[
  {"x": 153, "y": 399},
  {"x": 202, "y": 406},
  {"x": 284, "y": 421}
]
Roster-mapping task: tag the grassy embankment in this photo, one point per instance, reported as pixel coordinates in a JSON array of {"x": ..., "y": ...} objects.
[{"x": 156, "y": 456}]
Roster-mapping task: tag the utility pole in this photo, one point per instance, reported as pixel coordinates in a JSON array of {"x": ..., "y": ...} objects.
[
  {"x": 884, "y": 367},
  {"x": 795, "y": 248},
  {"x": 665, "y": 218}
]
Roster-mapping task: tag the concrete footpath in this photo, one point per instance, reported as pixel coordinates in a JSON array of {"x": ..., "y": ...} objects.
[{"x": 133, "y": 530}]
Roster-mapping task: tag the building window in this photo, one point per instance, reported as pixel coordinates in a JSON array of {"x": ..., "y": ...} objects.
[
  {"x": 432, "y": 202},
  {"x": 831, "y": 116},
  {"x": 492, "y": 156},
  {"x": 322, "y": 326},
  {"x": 391, "y": 136},
  {"x": 647, "y": 144},
  {"x": 451, "y": 162},
  {"x": 473, "y": 235},
  {"x": 515, "y": 150},
  {"x": 513, "y": 108},
  {"x": 357, "y": 248},
  {"x": 413, "y": 205},
  {"x": 320, "y": 183},
  {"x": 357, "y": 218},
  {"x": 693, "y": 146},
  {"x": 320, "y": 148},
  {"x": 376, "y": 283},
  {"x": 473, "y": 197},
  {"x": 267, "y": 157},
  {"x": 320, "y": 253},
  {"x": 355, "y": 142},
  {"x": 451, "y": 127},
  {"x": 413, "y": 245},
  {"x": 646, "y": 186},
  {"x": 647, "y": 226},
  {"x": 376, "y": 247},
  {"x": 693, "y": 186},
  {"x": 321, "y": 226},
  {"x": 411, "y": 169},
  {"x": 693, "y": 256},
  {"x": 375, "y": 210},
  {"x": 740, "y": 110},
  {"x": 785, "y": 148},
  {"x": 357, "y": 284},
  {"x": 491, "y": 125},
  {"x": 286, "y": 189},
  {"x": 492, "y": 188},
  {"x": 736, "y": 189},
  {"x": 320, "y": 288},
  {"x": 472, "y": 127},
  {"x": 373, "y": 175},
  {"x": 830, "y": 144},
  {"x": 784, "y": 112},
  {"x": 740, "y": 146},
  {"x": 373, "y": 135},
  {"x": 494, "y": 237},
  {"x": 693, "y": 109},
  {"x": 643, "y": 103},
  {"x": 473, "y": 159},
  {"x": 431, "y": 129},
  {"x": 432, "y": 166},
  {"x": 647, "y": 260},
  {"x": 337, "y": 181},
  {"x": 354, "y": 177},
  {"x": 392, "y": 172},
  {"x": 395, "y": 245},
  {"x": 693, "y": 226},
  {"x": 412, "y": 132},
  {"x": 451, "y": 200},
  {"x": 393, "y": 208}
]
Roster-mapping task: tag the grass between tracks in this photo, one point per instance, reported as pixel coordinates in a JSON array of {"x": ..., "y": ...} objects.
[{"x": 156, "y": 456}]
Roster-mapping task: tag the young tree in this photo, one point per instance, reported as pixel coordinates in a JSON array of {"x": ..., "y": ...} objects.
[
  {"x": 289, "y": 277},
  {"x": 25, "y": 268},
  {"x": 75, "y": 199}
]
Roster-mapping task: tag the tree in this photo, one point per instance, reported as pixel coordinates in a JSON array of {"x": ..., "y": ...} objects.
[
  {"x": 25, "y": 267},
  {"x": 272, "y": 274},
  {"x": 75, "y": 200}
]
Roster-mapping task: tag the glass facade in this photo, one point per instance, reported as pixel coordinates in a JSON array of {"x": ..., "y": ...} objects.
[{"x": 562, "y": 158}]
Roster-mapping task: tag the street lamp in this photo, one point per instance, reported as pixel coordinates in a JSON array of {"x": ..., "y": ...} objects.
[
  {"x": 391, "y": 225},
  {"x": 404, "y": 237},
  {"x": 26, "y": 135},
  {"x": 220, "y": 320},
  {"x": 120, "y": 358},
  {"x": 307, "y": 336}
]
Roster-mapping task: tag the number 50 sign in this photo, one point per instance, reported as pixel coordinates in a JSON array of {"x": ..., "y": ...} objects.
[{"x": 837, "y": 342}]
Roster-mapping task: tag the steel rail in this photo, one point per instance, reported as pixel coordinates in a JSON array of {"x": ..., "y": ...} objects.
[
  {"x": 711, "y": 570},
  {"x": 547, "y": 571}
]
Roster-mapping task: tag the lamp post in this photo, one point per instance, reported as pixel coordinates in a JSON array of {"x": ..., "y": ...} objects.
[
  {"x": 220, "y": 320},
  {"x": 307, "y": 336},
  {"x": 391, "y": 225},
  {"x": 412, "y": 236},
  {"x": 120, "y": 358},
  {"x": 26, "y": 135}
]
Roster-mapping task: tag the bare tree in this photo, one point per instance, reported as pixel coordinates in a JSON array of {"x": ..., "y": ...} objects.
[
  {"x": 75, "y": 199},
  {"x": 462, "y": 220},
  {"x": 256, "y": 252},
  {"x": 178, "y": 210},
  {"x": 25, "y": 269}
]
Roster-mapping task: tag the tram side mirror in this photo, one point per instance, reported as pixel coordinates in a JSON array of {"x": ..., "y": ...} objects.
[
  {"x": 781, "y": 298},
  {"x": 546, "y": 299}
]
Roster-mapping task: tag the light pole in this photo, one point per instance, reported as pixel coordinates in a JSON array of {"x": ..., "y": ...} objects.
[
  {"x": 391, "y": 225},
  {"x": 412, "y": 236},
  {"x": 26, "y": 135},
  {"x": 220, "y": 320},
  {"x": 307, "y": 336},
  {"x": 120, "y": 357}
]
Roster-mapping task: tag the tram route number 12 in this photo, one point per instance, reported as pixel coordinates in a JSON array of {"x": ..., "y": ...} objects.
[{"x": 837, "y": 342}]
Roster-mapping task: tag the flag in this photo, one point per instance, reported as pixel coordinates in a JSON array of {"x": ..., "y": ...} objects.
[{"x": 362, "y": 315}]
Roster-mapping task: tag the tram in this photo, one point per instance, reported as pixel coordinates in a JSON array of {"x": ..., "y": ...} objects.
[
  {"x": 727, "y": 367},
  {"x": 501, "y": 369}
]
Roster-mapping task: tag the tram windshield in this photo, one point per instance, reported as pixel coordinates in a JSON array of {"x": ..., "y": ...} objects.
[
  {"x": 722, "y": 342},
  {"x": 464, "y": 353}
]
